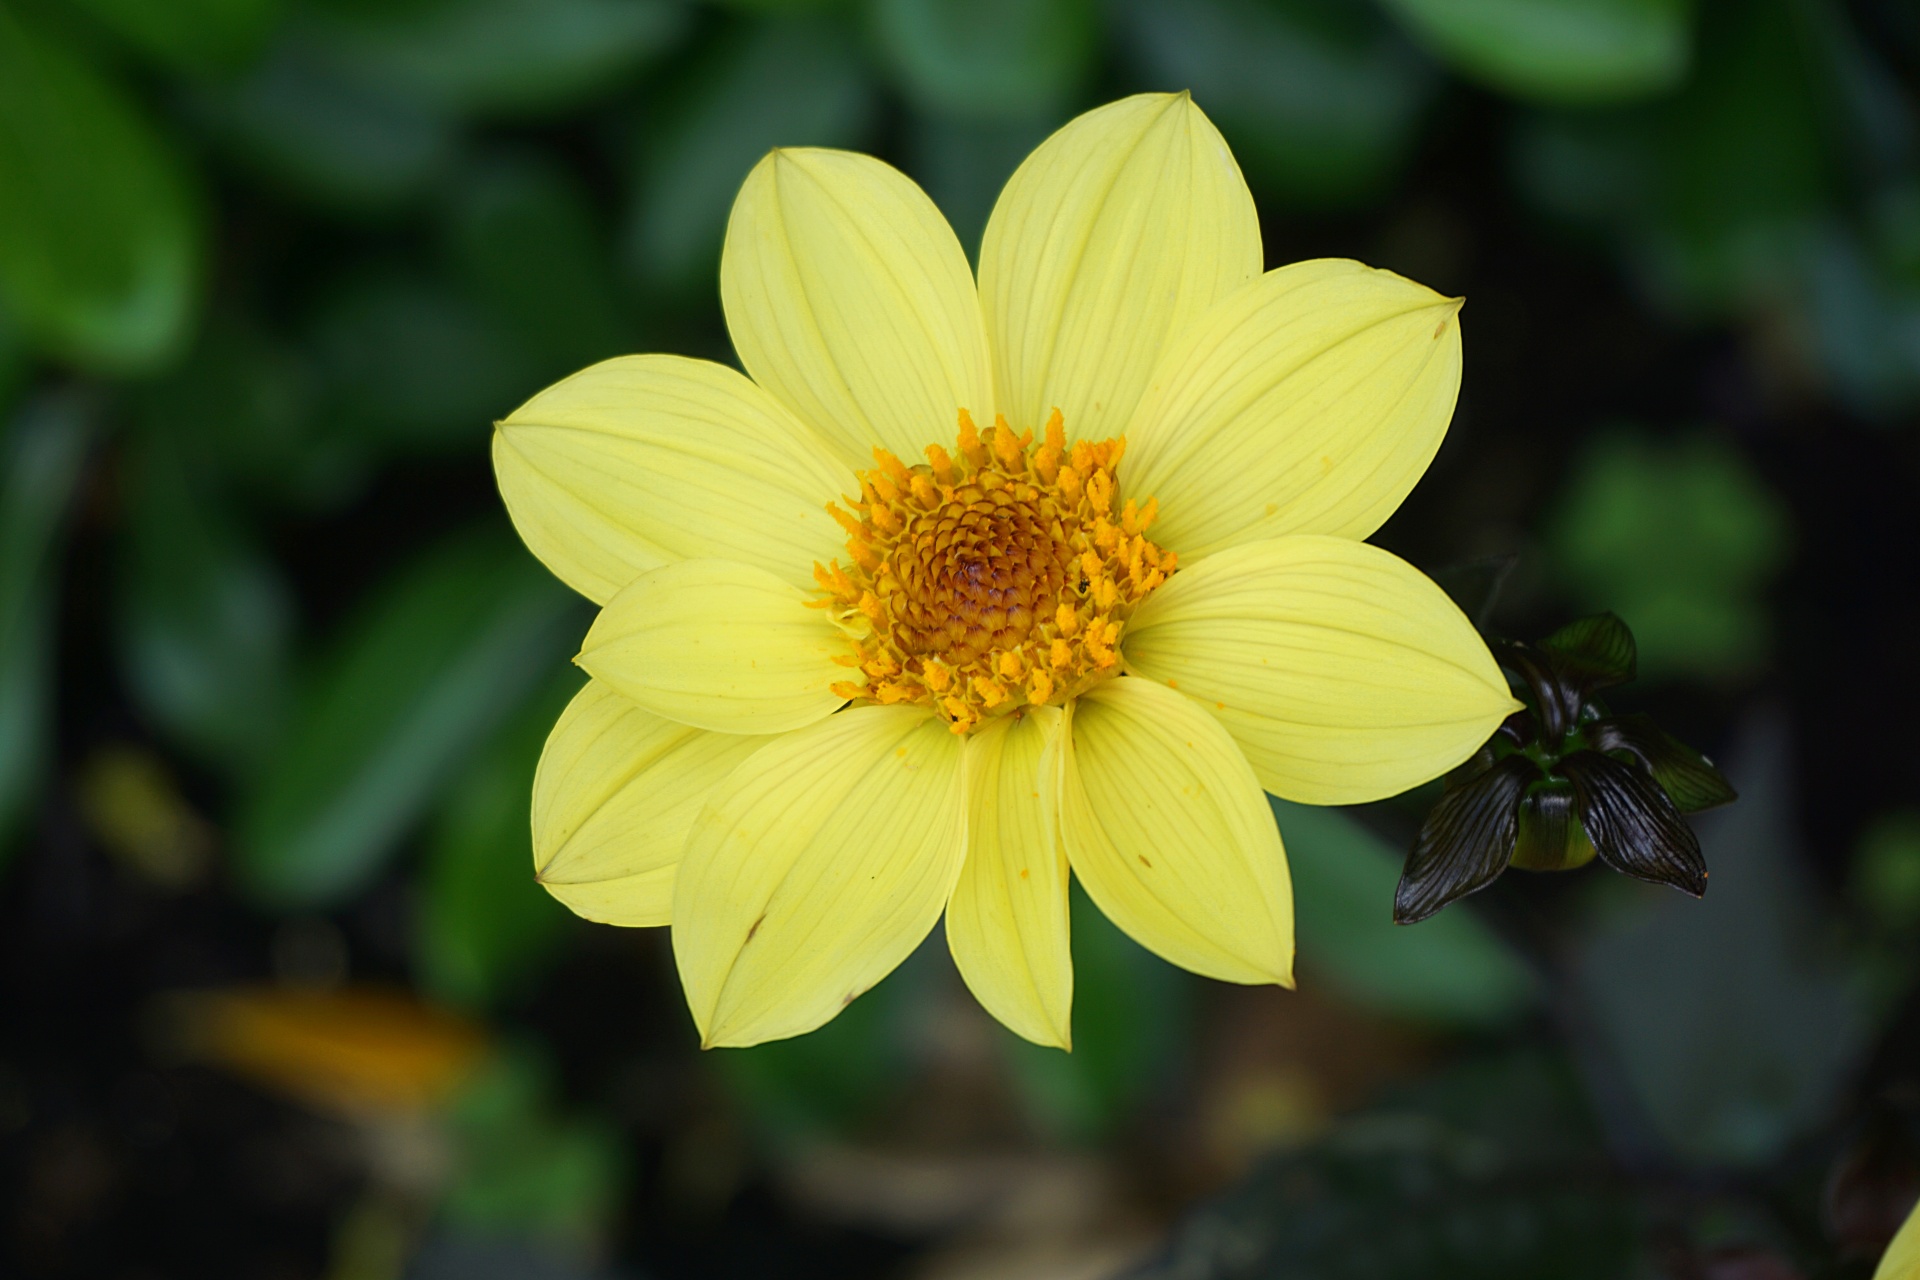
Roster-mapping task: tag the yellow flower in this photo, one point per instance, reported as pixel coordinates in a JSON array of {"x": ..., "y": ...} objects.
[
  {"x": 968, "y": 587},
  {"x": 1902, "y": 1259}
]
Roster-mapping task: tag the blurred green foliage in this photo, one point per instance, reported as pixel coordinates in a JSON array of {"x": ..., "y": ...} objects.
[
  {"x": 101, "y": 231},
  {"x": 1560, "y": 50},
  {"x": 435, "y": 662},
  {"x": 481, "y": 937},
  {"x": 1482, "y": 1172},
  {"x": 1322, "y": 100},
  {"x": 1692, "y": 1006},
  {"x": 1680, "y": 537},
  {"x": 522, "y": 1168},
  {"x": 1133, "y": 1016},
  {"x": 1452, "y": 971},
  {"x": 784, "y": 82},
  {"x": 43, "y": 453},
  {"x": 1886, "y": 881},
  {"x": 206, "y": 620}
]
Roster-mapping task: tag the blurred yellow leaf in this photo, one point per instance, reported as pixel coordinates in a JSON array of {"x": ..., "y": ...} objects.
[
  {"x": 136, "y": 812},
  {"x": 354, "y": 1051}
]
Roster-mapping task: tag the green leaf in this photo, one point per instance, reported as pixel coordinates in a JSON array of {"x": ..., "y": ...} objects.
[
  {"x": 414, "y": 365},
  {"x": 14, "y": 362},
  {"x": 446, "y": 650},
  {"x": 1717, "y": 194},
  {"x": 1680, "y": 537},
  {"x": 504, "y": 57},
  {"x": 1320, "y": 99},
  {"x": 1483, "y": 1172},
  {"x": 1574, "y": 51},
  {"x": 781, "y": 83},
  {"x": 329, "y": 134},
  {"x": 1731, "y": 1020},
  {"x": 522, "y": 1168},
  {"x": 486, "y": 929},
  {"x": 1450, "y": 970},
  {"x": 525, "y": 238},
  {"x": 1745, "y": 167},
  {"x": 1597, "y": 651},
  {"x": 1132, "y": 1013},
  {"x": 188, "y": 35},
  {"x": 242, "y": 410},
  {"x": 1688, "y": 778},
  {"x": 204, "y": 618},
  {"x": 40, "y": 463},
  {"x": 100, "y": 235},
  {"x": 1885, "y": 878},
  {"x": 1000, "y": 59}
]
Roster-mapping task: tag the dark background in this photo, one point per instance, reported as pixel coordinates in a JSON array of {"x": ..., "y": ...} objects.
[{"x": 278, "y": 998}]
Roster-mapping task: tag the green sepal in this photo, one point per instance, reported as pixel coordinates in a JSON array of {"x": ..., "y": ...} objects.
[
  {"x": 1597, "y": 652},
  {"x": 1465, "y": 842},
  {"x": 1688, "y": 778},
  {"x": 1550, "y": 837}
]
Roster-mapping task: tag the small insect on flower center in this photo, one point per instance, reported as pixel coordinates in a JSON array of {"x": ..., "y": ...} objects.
[{"x": 991, "y": 580}]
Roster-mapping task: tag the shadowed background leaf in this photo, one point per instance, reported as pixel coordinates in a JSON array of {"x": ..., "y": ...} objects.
[
  {"x": 100, "y": 228},
  {"x": 449, "y": 649}
]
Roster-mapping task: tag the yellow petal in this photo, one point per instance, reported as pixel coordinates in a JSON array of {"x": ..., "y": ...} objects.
[
  {"x": 1118, "y": 231},
  {"x": 645, "y": 460},
  {"x": 1902, "y": 1260},
  {"x": 1310, "y": 401},
  {"x": 1344, "y": 674},
  {"x": 1007, "y": 923},
  {"x": 815, "y": 868},
  {"x": 1167, "y": 829},
  {"x": 616, "y": 790},
  {"x": 720, "y": 646},
  {"x": 849, "y": 298}
]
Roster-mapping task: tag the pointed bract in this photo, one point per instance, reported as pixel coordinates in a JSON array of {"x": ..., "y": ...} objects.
[
  {"x": 1597, "y": 651},
  {"x": 1635, "y": 828},
  {"x": 1465, "y": 843},
  {"x": 1688, "y": 778}
]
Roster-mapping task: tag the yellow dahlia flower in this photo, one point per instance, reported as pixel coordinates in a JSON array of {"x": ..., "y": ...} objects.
[
  {"x": 1902, "y": 1259},
  {"x": 970, "y": 586}
]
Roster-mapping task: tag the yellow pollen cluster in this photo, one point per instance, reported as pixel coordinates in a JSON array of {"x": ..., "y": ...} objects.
[{"x": 993, "y": 579}]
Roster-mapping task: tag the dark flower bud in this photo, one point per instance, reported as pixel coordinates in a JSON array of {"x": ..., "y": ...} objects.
[{"x": 1563, "y": 782}]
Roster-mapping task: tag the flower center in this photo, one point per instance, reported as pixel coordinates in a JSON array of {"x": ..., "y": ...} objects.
[{"x": 990, "y": 581}]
